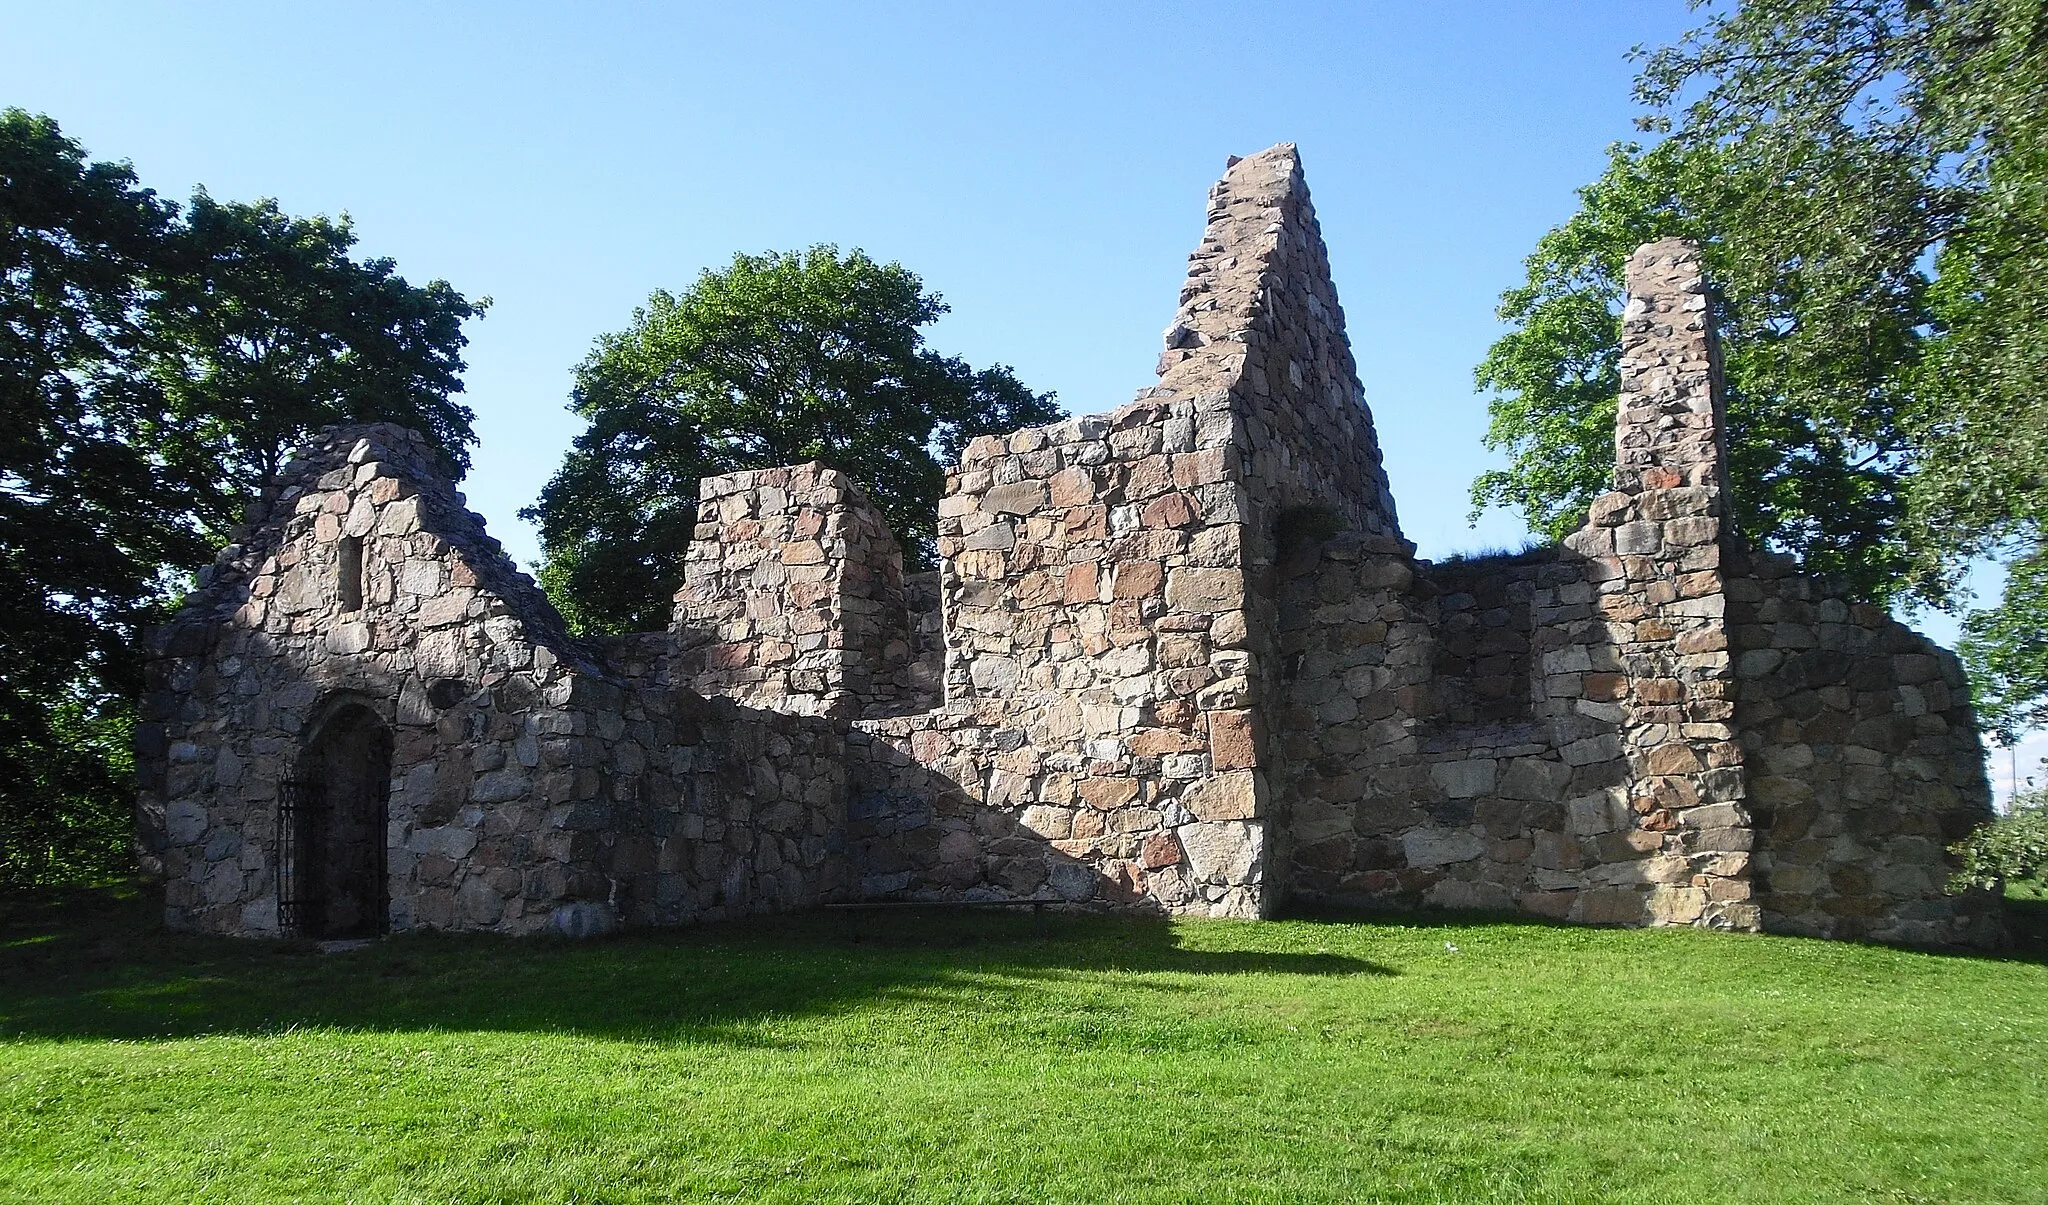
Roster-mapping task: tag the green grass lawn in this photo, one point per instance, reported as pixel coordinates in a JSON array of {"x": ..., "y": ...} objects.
[{"x": 967, "y": 1057}]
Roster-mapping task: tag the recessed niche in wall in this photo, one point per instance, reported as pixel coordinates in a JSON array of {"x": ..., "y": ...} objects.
[{"x": 351, "y": 582}]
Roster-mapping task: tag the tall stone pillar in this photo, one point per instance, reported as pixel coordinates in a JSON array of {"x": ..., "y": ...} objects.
[
  {"x": 1655, "y": 545},
  {"x": 1668, "y": 431}
]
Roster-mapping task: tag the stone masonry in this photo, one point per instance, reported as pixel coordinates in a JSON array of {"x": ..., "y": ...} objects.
[
  {"x": 793, "y": 598},
  {"x": 523, "y": 788},
  {"x": 1178, "y": 658}
]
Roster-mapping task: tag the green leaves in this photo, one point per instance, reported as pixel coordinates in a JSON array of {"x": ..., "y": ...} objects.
[
  {"x": 777, "y": 359},
  {"x": 2012, "y": 847},
  {"x": 265, "y": 329},
  {"x": 154, "y": 365},
  {"x": 1870, "y": 180},
  {"x": 1811, "y": 477},
  {"x": 2006, "y": 648}
]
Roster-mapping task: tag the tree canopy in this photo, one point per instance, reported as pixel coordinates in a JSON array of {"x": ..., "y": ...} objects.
[
  {"x": 775, "y": 359},
  {"x": 155, "y": 361},
  {"x": 1870, "y": 184}
]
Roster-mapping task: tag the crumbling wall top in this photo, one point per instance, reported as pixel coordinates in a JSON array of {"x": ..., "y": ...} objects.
[
  {"x": 1669, "y": 427},
  {"x": 1259, "y": 317},
  {"x": 792, "y": 596}
]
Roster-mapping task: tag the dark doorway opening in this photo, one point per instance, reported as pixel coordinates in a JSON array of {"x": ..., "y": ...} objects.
[{"x": 332, "y": 831}]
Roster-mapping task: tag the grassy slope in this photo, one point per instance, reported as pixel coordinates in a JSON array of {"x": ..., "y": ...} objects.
[{"x": 964, "y": 1058}]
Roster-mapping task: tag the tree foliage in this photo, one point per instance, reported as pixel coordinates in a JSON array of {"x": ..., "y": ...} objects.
[
  {"x": 2012, "y": 847},
  {"x": 264, "y": 329},
  {"x": 1813, "y": 476},
  {"x": 2006, "y": 648},
  {"x": 154, "y": 362},
  {"x": 1870, "y": 183},
  {"x": 775, "y": 359}
]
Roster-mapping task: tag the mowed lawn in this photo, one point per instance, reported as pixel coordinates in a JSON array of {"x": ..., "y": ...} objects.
[{"x": 971, "y": 1057}]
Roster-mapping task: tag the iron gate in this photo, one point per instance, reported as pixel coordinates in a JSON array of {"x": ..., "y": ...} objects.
[{"x": 301, "y": 807}]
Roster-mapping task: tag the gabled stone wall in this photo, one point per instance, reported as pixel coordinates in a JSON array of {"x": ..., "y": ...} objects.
[
  {"x": 1108, "y": 596},
  {"x": 527, "y": 788}
]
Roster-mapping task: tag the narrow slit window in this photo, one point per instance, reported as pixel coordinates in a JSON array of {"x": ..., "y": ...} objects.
[{"x": 351, "y": 573}]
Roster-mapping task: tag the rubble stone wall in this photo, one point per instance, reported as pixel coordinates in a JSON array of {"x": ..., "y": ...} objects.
[
  {"x": 1095, "y": 680},
  {"x": 1864, "y": 763},
  {"x": 1177, "y": 657},
  {"x": 1653, "y": 547},
  {"x": 526, "y": 790},
  {"x": 926, "y": 676},
  {"x": 793, "y": 597},
  {"x": 1569, "y": 732},
  {"x": 1108, "y": 594},
  {"x": 1259, "y": 320},
  {"x": 1400, "y": 788}
]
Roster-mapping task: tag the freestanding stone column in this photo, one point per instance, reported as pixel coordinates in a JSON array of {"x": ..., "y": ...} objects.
[{"x": 1668, "y": 427}]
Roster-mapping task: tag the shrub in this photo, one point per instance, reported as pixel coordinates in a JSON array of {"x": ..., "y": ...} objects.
[{"x": 2012, "y": 846}]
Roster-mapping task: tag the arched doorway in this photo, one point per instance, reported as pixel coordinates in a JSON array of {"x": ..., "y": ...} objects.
[{"x": 332, "y": 830}]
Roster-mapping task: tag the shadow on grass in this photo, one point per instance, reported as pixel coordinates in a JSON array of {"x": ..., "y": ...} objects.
[
  {"x": 2026, "y": 917},
  {"x": 98, "y": 964}
]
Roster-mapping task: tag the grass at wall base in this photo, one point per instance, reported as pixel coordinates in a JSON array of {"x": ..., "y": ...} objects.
[{"x": 951, "y": 1057}]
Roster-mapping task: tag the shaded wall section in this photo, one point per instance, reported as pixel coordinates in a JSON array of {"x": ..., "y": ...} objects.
[
  {"x": 1864, "y": 763},
  {"x": 1645, "y": 725},
  {"x": 529, "y": 788}
]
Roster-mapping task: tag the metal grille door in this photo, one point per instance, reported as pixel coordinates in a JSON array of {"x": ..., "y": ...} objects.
[{"x": 301, "y": 807}]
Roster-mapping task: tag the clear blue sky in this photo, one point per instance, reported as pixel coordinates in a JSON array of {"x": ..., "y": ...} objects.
[{"x": 1041, "y": 165}]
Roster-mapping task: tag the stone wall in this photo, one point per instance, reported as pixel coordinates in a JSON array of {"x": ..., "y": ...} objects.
[
  {"x": 1095, "y": 678},
  {"x": 1259, "y": 320},
  {"x": 526, "y": 789},
  {"x": 793, "y": 597},
  {"x": 1177, "y": 657},
  {"x": 1568, "y": 732},
  {"x": 1108, "y": 593},
  {"x": 1262, "y": 309},
  {"x": 1863, "y": 763},
  {"x": 1428, "y": 761},
  {"x": 1654, "y": 547},
  {"x": 926, "y": 677}
]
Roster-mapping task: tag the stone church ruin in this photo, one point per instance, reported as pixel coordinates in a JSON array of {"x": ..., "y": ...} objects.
[{"x": 1178, "y": 658}]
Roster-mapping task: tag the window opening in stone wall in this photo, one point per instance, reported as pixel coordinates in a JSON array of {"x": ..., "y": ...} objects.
[{"x": 351, "y": 573}]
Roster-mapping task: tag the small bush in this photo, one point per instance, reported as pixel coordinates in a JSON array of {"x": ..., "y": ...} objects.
[{"x": 2013, "y": 846}]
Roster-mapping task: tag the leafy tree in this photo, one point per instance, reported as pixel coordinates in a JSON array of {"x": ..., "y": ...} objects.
[
  {"x": 1812, "y": 476},
  {"x": 2006, "y": 648},
  {"x": 1870, "y": 182},
  {"x": 776, "y": 359},
  {"x": 153, "y": 363},
  {"x": 264, "y": 329},
  {"x": 83, "y": 530}
]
